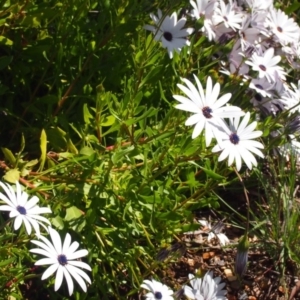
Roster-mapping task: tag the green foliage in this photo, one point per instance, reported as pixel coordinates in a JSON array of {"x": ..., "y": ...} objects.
[{"x": 88, "y": 124}]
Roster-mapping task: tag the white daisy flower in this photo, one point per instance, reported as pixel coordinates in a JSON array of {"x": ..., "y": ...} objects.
[
  {"x": 62, "y": 258},
  {"x": 267, "y": 65},
  {"x": 207, "y": 108},
  {"x": 226, "y": 13},
  {"x": 238, "y": 143},
  {"x": 214, "y": 233},
  {"x": 23, "y": 209},
  {"x": 290, "y": 98},
  {"x": 284, "y": 28},
  {"x": 170, "y": 31},
  {"x": 157, "y": 290},
  {"x": 259, "y": 5},
  {"x": 206, "y": 288},
  {"x": 204, "y": 9}
]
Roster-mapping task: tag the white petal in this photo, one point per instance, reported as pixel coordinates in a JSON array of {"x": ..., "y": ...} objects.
[
  {"x": 77, "y": 254},
  {"x": 80, "y": 264},
  {"x": 50, "y": 270},
  {"x": 18, "y": 222},
  {"x": 56, "y": 240},
  {"x": 69, "y": 281},
  {"x": 59, "y": 277}
]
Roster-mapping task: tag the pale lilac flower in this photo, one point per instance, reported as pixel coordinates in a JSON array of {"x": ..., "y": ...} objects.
[
  {"x": 207, "y": 108},
  {"x": 205, "y": 9},
  {"x": 290, "y": 98},
  {"x": 62, "y": 258},
  {"x": 157, "y": 290},
  {"x": 262, "y": 86},
  {"x": 267, "y": 65},
  {"x": 248, "y": 35},
  {"x": 170, "y": 31},
  {"x": 238, "y": 144},
  {"x": 23, "y": 209}
]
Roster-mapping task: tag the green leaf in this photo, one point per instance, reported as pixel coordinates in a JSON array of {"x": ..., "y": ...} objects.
[
  {"x": 212, "y": 174},
  {"x": 87, "y": 151},
  {"x": 86, "y": 114},
  {"x": 293, "y": 7},
  {"x": 5, "y": 41},
  {"x": 7, "y": 261},
  {"x": 9, "y": 156},
  {"x": 107, "y": 121},
  {"x": 43, "y": 147},
  {"x": 5, "y": 61},
  {"x": 58, "y": 222},
  {"x": 119, "y": 155},
  {"x": 12, "y": 176},
  {"x": 73, "y": 213}
]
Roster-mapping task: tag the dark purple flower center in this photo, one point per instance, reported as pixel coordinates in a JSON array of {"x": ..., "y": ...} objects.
[
  {"x": 259, "y": 86},
  {"x": 258, "y": 97},
  {"x": 262, "y": 67},
  {"x": 279, "y": 29},
  {"x": 234, "y": 138},
  {"x": 225, "y": 18},
  {"x": 21, "y": 210},
  {"x": 207, "y": 112},
  {"x": 62, "y": 259},
  {"x": 168, "y": 36},
  {"x": 157, "y": 295}
]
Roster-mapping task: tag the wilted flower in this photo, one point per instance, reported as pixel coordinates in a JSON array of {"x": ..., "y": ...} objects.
[
  {"x": 242, "y": 256},
  {"x": 215, "y": 233}
]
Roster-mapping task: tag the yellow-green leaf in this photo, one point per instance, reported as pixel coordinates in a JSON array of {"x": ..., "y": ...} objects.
[
  {"x": 12, "y": 176},
  {"x": 73, "y": 213},
  {"x": 43, "y": 146},
  {"x": 9, "y": 156}
]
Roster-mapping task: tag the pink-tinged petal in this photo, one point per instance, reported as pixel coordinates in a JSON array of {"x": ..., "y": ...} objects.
[{"x": 50, "y": 270}]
